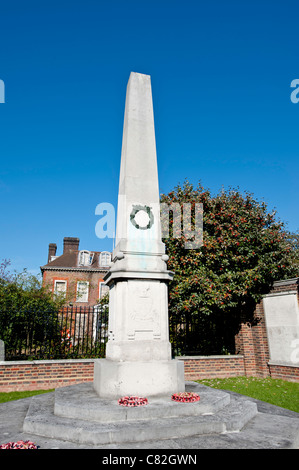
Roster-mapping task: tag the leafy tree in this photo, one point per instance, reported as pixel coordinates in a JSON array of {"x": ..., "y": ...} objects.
[
  {"x": 28, "y": 313},
  {"x": 293, "y": 241},
  {"x": 245, "y": 249}
]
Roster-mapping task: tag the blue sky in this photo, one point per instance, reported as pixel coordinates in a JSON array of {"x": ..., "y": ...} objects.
[{"x": 221, "y": 74}]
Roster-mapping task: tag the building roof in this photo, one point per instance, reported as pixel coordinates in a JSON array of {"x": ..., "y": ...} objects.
[{"x": 70, "y": 261}]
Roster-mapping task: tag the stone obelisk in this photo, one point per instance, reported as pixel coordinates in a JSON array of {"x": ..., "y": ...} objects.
[{"x": 138, "y": 352}]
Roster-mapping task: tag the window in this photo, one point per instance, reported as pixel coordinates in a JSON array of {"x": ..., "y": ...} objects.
[
  {"x": 103, "y": 289},
  {"x": 85, "y": 258},
  {"x": 60, "y": 288},
  {"x": 82, "y": 291},
  {"x": 105, "y": 258}
]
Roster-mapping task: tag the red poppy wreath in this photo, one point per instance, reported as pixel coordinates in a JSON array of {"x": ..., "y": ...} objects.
[
  {"x": 19, "y": 445},
  {"x": 185, "y": 397},
  {"x": 132, "y": 401}
]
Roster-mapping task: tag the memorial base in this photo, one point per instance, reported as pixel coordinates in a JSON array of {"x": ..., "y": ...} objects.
[{"x": 145, "y": 379}]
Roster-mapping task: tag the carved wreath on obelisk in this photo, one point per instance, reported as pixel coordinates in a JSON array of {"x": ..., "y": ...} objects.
[{"x": 135, "y": 211}]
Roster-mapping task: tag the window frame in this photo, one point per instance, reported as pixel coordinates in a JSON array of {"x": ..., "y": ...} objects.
[
  {"x": 81, "y": 255},
  {"x": 102, "y": 254},
  {"x": 87, "y": 292},
  {"x": 102, "y": 284},
  {"x": 55, "y": 292}
]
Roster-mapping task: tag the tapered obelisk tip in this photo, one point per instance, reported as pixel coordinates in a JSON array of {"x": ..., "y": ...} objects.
[
  {"x": 139, "y": 174},
  {"x": 138, "y": 182}
]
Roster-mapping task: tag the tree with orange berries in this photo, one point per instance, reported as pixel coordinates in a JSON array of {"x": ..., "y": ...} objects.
[{"x": 244, "y": 250}]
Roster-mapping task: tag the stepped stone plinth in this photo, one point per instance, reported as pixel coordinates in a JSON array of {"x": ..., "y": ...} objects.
[{"x": 77, "y": 414}]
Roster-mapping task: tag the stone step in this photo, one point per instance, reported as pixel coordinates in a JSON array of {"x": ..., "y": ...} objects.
[
  {"x": 41, "y": 420},
  {"x": 82, "y": 402}
]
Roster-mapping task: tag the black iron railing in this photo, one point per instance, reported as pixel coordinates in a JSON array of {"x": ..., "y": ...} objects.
[
  {"x": 81, "y": 332},
  {"x": 192, "y": 335},
  {"x": 73, "y": 332}
]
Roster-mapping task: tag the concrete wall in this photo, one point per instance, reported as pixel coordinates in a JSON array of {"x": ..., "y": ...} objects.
[
  {"x": 270, "y": 345},
  {"x": 282, "y": 323}
]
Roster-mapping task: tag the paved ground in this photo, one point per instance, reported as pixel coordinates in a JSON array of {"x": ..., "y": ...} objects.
[{"x": 271, "y": 428}]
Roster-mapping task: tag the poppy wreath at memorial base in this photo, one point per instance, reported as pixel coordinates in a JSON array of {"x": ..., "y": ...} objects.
[
  {"x": 185, "y": 397},
  {"x": 132, "y": 401},
  {"x": 19, "y": 445}
]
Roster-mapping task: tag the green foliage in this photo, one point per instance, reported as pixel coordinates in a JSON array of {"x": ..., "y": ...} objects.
[
  {"x": 293, "y": 241},
  {"x": 28, "y": 313},
  {"x": 245, "y": 249},
  {"x": 36, "y": 325},
  {"x": 24, "y": 290}
]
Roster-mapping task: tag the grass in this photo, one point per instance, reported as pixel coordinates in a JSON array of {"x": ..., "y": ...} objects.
[
  {"x": 9, "y": 396},
  {"x": 277, "y": 392}
]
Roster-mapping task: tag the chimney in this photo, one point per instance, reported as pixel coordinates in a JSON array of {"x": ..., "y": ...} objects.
[
  {"x": 52, "y": 251},
  {"x": 70, "y": 244}
]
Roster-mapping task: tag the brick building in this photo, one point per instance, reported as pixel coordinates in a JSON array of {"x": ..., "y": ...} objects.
[{"x": 77, "y": 274}]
